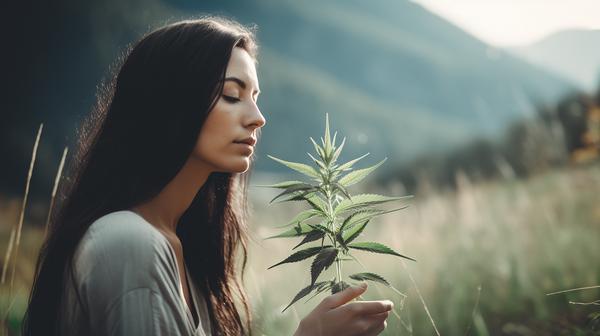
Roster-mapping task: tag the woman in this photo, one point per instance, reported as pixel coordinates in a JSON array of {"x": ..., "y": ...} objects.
[{"x": 145, "y": 240}]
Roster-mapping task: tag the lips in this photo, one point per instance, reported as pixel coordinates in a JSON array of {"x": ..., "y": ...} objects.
[{"x": 250, "y": 141}]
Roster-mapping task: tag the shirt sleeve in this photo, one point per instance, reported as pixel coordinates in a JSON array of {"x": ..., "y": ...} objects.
[
  {"x": 142, "y": 312},
  {"x": 128, "y": 280}
]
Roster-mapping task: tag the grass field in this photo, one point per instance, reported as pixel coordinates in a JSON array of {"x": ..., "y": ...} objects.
[{"x": 518, "y": 240}]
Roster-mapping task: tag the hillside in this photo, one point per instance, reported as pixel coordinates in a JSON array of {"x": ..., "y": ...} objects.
[
  {"x": 573, "y": 54},
  {"x": 396, "y": 79}
]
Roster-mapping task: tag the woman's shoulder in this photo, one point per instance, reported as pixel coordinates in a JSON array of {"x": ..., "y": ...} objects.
[
  {"x": 124, "y": 243},
  {"x": 123, "y": 229}
]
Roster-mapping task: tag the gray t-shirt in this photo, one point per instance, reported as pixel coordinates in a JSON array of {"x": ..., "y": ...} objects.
[{"x": 128, "y": 281}]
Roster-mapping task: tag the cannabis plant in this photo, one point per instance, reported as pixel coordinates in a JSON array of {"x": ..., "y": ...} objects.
[{"x": 343, "y": 217}]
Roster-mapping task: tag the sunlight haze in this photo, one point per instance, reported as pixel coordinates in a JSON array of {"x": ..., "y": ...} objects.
[{"x": 512, "y": 23}]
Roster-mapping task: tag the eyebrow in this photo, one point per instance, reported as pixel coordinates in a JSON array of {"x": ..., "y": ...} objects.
[{"x": 238, "y": 81}]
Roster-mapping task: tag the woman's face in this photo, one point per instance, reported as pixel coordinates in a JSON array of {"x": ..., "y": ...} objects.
[{"x": 228, "y": 135}]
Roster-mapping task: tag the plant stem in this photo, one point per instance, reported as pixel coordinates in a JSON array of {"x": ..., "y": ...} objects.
[{"x": 338, "y": 265}]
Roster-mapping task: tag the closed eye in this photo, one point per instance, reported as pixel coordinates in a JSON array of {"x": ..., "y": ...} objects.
[{"x": 231, "y": 99}]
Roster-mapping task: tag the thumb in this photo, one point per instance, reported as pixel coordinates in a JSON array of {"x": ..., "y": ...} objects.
[{"x": 345, "y": 296}]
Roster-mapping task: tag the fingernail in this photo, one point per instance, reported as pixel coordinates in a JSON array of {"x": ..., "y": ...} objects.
[{"x": 363, "y": 285}]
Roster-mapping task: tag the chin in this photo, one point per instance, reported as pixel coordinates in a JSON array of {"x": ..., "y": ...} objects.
[{"x": 242, "y": 167}]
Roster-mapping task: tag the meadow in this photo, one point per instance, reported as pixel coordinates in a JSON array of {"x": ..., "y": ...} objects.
[{"x": 519, "y": 240}]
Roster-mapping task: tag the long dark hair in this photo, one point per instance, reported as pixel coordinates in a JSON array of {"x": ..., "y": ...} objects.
[{"x": 143, "y": 129}]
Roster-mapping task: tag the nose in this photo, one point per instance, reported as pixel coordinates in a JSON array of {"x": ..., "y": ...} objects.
[{"x": 255, "y": 119}]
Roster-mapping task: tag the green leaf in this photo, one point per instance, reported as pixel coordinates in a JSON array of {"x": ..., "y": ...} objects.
[
  {"x": 341, "y": 188},
  {"x": 357, "y": 175},
  {"x": 296, "y": 197},
  {"x": 320, "y": 287},
  {"x": 324, "y": 259},
  {"x": 319, "y": 150},
  {"x": 304, "y": 188},
  {"x": 340, "y": 240},
  {"x": 282, "y": 185},
  {"x": 337, "y": 152},
  {"x": 303, "y": 254},
  {"x": 350, "y": 163},
  {"x": 317, "y": 203},
  {"x": 312, "y": 236},
  {"x": 305, "y": 291},
  {"x": 376, "y": 248},
  {"x": 318, "y": 162},
  {"x": 364, "y": 201},
  {"x": 375, "y": 278},
  {"x": 296, "y": 231},
  {"x": 351, "y": 234},
  {"x": 327, "y": 145},
  {"x": 301, "y": 167},
  {"x": 362, "y": 216},
  {"x": 301, "y": 217},
  {"x": 338, "y": 287}
]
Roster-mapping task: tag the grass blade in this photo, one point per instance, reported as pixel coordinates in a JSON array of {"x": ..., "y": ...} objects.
[
  {"x": 20, "y": 225},
  {"x": 56, "y": 181}
]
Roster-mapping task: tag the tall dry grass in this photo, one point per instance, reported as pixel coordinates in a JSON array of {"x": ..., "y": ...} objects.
[{"x": 518, "y": 240}]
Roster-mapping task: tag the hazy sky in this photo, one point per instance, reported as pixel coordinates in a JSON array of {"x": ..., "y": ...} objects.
[{"x": 510, "y": 23}]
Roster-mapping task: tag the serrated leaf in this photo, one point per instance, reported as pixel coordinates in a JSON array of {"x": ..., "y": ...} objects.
[
  {"x": 296, "y": 231},
  {"x": 281, "y": 185},
  {"x": 364, "y": 215},
  {"x": 295, "y": 197},
  {"x": 319, "y": 150},
  {"x": 320, "y": 287},
  {"x": 317, "y": 203},
  {"x": 376, "y": 248},
  {"x": 341, "y": 188},
  {"x": 324, "y": 259},
  {"x": 301, "y": 189},
  {"x": 301, "y": 217},
  {"x": 338, "y": 150},
  {"x": 327, "y": 147},
  {"x": 312, "y": 236},
  {"x": 304, "y": 292},
  {"x": 301, "y": 167},
  {"x": 340, "y": 240},
  {"x": 338, "y": 287},
  {"x": 318, "y": 162},
  {"x": 357, "y": 175},
  {"x": 350, "y": 163},
  {"x": 303, "y": 254},
  {"x": 354, "y": 232},
  {"x": 368, "y": 276},
  {"x": 361, "y": 201}
]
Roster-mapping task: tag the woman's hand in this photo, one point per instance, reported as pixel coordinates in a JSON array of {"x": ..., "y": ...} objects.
[{"x": 333, "y": 317}]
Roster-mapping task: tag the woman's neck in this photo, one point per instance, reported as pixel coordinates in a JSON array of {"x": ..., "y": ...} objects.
[{"x": 165, "y": 209}]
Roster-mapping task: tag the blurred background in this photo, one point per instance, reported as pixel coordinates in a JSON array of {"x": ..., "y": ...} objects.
[{"x": 487, "y": 111}]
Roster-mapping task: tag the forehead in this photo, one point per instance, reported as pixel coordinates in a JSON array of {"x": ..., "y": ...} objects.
[{"x": 241, "y": 65}]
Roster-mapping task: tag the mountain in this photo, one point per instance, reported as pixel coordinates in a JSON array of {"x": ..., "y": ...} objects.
[
  {"x": 573, "y": 54},
  {"x": 396, "y": 80}
]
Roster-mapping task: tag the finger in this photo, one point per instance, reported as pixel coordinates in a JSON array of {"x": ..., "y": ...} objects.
[
  {"x": 372, "y": 307},
  {"x": 378, "y": 323},
  {"x": 344, "y": 296}
]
